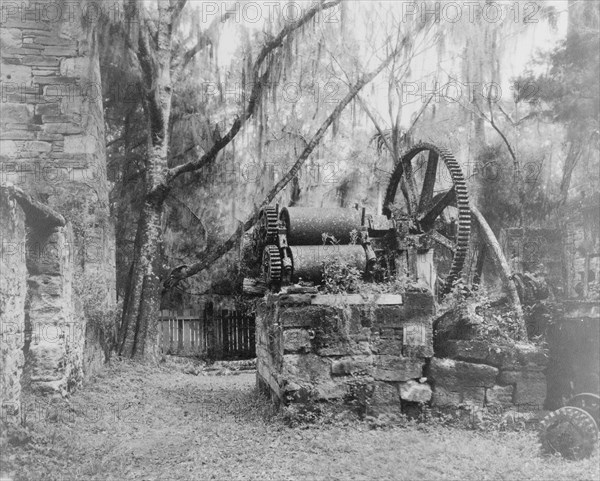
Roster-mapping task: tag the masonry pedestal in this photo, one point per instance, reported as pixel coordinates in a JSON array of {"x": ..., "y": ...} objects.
[{"x": 354, "y": 350}]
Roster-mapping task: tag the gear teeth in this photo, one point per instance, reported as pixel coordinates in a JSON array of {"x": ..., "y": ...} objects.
[
  {"x": 272, "y": 264},
  {"x": 462, "y": 203},
  {"x": 271, "y": 225},
  {"x": 570, "y": 431}
]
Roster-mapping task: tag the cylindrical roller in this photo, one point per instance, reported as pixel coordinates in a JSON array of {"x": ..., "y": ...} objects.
[
  {"x": 308, "y": 260},
  {"x": 306, "y": 225}
]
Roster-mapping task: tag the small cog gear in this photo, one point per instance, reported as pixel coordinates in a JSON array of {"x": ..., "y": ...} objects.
[
  {"x": 570, "y": 431},
  {"x": 272, "y": 264}
]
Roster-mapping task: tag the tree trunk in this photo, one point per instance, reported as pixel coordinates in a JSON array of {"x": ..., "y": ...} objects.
[
  {"x": 139, "y": 323},
  {"x": 142, "y": 299},
  {"x": 495, "y": 252},
  {"x": 141, "y": 306}
]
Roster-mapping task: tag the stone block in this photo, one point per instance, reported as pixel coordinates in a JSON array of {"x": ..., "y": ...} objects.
[
  {"x": 47, "y": 109},
  {"x": 54, "y": 41},
  {"x": 341, "y": 348},
  {"x": 17, "y": 135},
  {"x": 388, "y": 316},
  {"x": 462, "y": 323},
  {"x": 41, "y": 61},
  {"x": 47, "y": 361},
  {"x": 387, "y": 299},
  {"x": 37, "y": 146},
  {"x": 351, "y": 365},
  {"x": 384, "y": 394},
  {"x": 306, "y": 316},
  {"x": 418, "y": 303},
  {"x": 10, "y": 148},
  {"x": 414, "y": 391},
  {"x": 499, "y": 396},
  {"x": 529, "y": 386},
  {"x": 336, "y": 300},
  {"x": 296, "y": 340},
  {"x": 456, "y": 375},
  {"x": 397, "y": 368},
  {"x": 15, "y": 113},
  {"x": 329, "y": 391},
  {"x": 444, "y": 397},
  {"x": 388, "y": 346},
  {"x": 62, "y": 128},
  {"x": 362, "y": 316},
  {"x": 65, "y": 51},
  {"x": 466, "y": 350},
  {"x": 11, "y": 37},
  {"x": 531, "y": 357},
  {"x": 20, "y": 75},
  {"x": 305, "y": 368},
  {"x": 80, "y": 144},
  {"x": 293, "y": 299},
  {"x": 362, "y": 335}
]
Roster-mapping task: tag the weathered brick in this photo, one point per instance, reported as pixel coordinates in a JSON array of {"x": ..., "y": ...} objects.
[
  {"x": 17, "y": 135},
  {"x": 49, "y": 137},
  {"x": 305, "y": 367},
  {"x": 307, "y": 316},
  {"x": 38, "y": 146},
  {"x": 418, "y": 304},
  {"x": 55, "y": 41},
  {"x": 62, "y": 128},
  {"x": 19, "y": 74},
  {"x": 456, "y": 375},
  {"x": 397, "y": 368},
  {"x": 414, "y": 391},
  {"x": 296, "y": 340},
  {"x": 499, "y": 396},
  {"x": 530, "y": 386},
  {"x": 47, "y": 109},
  {"x": 54, "y": 80},
  {"x": 67, "y": 51},
  {"x": 384, "y": 397},
  {"x": 351, "y": 365},
  {"x": 388, "y": 346},
  {"x": 11, "y": 37},
  {"x": 329, "y": 391},
  {"x": 41, "y": 60},
  {"x": 388, "y": 316},
  {"x": 43, "y": 73},
  {"x": 444, "y": 397},
  {"x": 15, "y": 112}
]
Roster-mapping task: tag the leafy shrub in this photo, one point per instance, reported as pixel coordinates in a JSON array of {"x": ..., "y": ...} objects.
[
  {"x": 101, "y": 315},
  {"x": 339, "y": 276}
]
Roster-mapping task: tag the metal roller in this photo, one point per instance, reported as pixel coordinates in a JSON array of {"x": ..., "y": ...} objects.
[
  {"x": 306, "y": 225},
  {"x": 308, "y": 260}
]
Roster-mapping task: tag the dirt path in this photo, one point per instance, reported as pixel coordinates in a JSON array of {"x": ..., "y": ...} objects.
[{"x": 135, "y": 422}]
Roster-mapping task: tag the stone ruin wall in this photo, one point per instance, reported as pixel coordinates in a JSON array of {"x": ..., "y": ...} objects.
[
  {"x": 345, "y": 348},
  {"x": 52, "y": 148},
  {"x": 377, "y": 354}
]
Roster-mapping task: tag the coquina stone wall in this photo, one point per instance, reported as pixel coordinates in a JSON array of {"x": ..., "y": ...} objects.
[
  {"x": 477, "y": 367},
  {"x": 368, "y": 352},
  {"x": 377, "y": 353},
  {"x": 52, "y": 149},
  {"x": 13, "y": 290}
]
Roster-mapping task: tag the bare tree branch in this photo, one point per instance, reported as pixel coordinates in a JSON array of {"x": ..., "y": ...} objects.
[
  {"x": 495, "y": 250},
  {"x": 177, "y": 6},
  {"x": 218, "y": 252},
  {"x": 258, "y": 83}
]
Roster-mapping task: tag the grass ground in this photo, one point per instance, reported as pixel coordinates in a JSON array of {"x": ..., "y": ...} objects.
[{"x": 143, "y": 423}]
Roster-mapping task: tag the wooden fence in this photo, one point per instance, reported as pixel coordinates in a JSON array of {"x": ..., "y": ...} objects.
[{"x": 218, "y": 334}]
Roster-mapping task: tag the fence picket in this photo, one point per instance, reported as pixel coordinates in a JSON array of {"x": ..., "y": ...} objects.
[{"x": 190, "y": 333}]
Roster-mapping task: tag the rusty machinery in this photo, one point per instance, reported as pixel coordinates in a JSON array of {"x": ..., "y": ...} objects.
[{"x": 423, "y": 231}]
